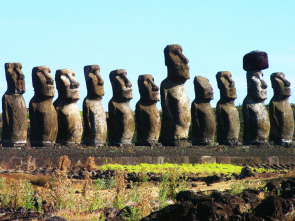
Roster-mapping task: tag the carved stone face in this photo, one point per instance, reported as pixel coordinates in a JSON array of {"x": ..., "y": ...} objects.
[
  {"x": 177, "y": 64},
  {"x": 15, "y": 78},
  {"x": 43, "y": 82},
  {"x": 226, "y": 85},
  {"x": 67, "y": 85},
  {"x": 256, "y": 85},
  {"x": 121, "y": 85},
  {"x": 147, "y": 88},
  {"x": 280, "y": 84},
  {"x": 203, "y": 88},
  {"x": 94, "y": 81}
]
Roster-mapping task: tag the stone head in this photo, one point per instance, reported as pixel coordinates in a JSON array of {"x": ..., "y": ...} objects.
[
  {"x": 43, "y": 82},
  {"x": 121, "y": 85},
  {"x": 256, "y": 85},
  {"x": 177, "y": 64},
  {"x": 280, "y": 85},
  {"x": 147, "y": 88},
  {"x": 94, "y": 81},
  {"x": 67, "y": 85},
  {"x": 226, "y": 85},
  {"x": 203, "y": 88},
  {"x": 15, "y": 78}
]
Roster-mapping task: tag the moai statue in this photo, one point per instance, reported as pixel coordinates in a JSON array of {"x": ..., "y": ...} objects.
[
  {"x": 203, "y": 119},
  {"x": 43, "y": 116},
  {"x": 280, "y": 111},
  {"x": 95, "y": 121},
  {"x": 175, "y": 103},
  {"x": 228, "y": 122},
  {"x": 68, "y": 115},
  {"x": 14, "y": 112},
  {"x": 121, "y": 121},
  {"x": 256, "y": 120},
  {"x": 146, "y": 112}
]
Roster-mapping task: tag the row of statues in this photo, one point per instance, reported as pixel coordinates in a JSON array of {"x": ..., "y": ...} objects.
[{"x": 60, "y": 122}]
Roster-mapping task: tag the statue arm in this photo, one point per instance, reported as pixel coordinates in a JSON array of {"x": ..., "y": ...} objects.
[
  {"x": 273, "y": 116},
  {"x": 174, "y": 109},
  {"x": 163, "y": 93},
  {"x": 5, "y": 117},
  {"x": 87, "y": 123}
]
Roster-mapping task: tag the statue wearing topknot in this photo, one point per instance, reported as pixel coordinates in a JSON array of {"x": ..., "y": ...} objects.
[{"x": 256, "y": 120}]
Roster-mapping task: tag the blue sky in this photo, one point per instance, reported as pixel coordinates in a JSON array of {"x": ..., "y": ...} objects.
[{"x": 131, "y": 35}]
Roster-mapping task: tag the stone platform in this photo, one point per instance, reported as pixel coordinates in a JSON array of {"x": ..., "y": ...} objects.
[{"x": 16, "y": 158}]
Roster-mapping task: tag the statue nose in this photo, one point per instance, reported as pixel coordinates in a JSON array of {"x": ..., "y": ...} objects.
[
  {"x": 100, "y": 80},
  {"x": 183, "y": 58},
  {"x": 74, "y": 84},
  {"x": 154, "y": 86},
  {"x": 287, "y": 83},
  {"x": 127, "y": 82},
  {"x": 263, "y": 84},
  {"x": 49, "y": 81}
]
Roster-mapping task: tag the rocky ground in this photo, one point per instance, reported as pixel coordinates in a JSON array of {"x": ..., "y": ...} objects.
[{"x": 276, "y": 201}]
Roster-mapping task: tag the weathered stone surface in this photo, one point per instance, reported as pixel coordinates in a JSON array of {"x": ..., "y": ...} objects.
[
  {"x": 256, "y": 120},
  {"x": 255, "y": 60},
  {"x": 14, "y": 113},
  {"x": 228, "y": 122},
  {"x": 95, "y": 123},
  {"x": 43, "y": 116},
  {"x": 121, "y": 121},
  {"x": 174, "y": 100},
  {"x": 146, "y": 113},
  {"x": 280, "y": 111},
  {"x": 69, "y": 119},
  {"x": 203, "y": 119}
]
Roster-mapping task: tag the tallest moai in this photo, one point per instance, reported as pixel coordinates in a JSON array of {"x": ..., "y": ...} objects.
[
  {"x": 175, "y": 103},
  {"x": 14, "y": 114},
  {"x": 256, "y": 120}
]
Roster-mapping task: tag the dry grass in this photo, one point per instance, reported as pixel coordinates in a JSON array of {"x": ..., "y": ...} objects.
[
  {"x": 81, "y": 200},
  {"x": 84, "y": 199},
  {"x": 64, "y": 163}
]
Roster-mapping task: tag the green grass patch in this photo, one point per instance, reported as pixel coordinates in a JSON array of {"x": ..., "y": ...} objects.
[{"x": 187, "y": 169}]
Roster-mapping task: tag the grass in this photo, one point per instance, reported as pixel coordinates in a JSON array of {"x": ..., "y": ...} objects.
[
  {"x": 85, "y": 199},
  {"x": 186, "y": 169}
]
